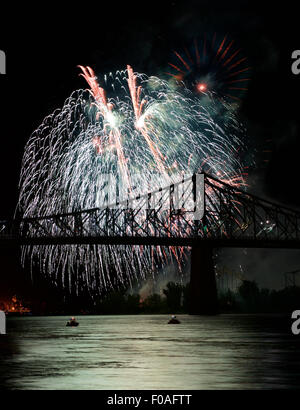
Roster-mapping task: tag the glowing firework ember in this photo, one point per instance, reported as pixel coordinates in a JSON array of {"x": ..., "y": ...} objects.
[
  {"x": 146, "y": 135},
  {"x": 214, "y": 65}
]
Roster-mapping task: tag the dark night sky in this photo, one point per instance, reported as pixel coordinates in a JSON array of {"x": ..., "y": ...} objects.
[{"x": 44, "y": 47}]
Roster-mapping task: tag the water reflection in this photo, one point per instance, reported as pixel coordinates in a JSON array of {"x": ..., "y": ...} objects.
[{"x": 144, "y": 352}]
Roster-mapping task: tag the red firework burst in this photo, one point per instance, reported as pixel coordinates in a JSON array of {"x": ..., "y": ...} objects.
[{"x": 212, "y": 65}]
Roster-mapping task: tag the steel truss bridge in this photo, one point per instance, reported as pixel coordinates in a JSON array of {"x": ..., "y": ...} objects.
[
  {"x": 230, "y": 217},
  {"x": 166, "y": 217}
]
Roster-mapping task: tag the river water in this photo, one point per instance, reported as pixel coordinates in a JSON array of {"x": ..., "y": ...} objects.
[{"x": 144, "y": 352}]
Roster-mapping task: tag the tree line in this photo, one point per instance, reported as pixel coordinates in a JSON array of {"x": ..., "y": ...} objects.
[{"x": 174, "y": 299}]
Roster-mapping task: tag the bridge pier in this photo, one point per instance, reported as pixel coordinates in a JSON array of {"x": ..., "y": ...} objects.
[{"x": 203, "y": 288}]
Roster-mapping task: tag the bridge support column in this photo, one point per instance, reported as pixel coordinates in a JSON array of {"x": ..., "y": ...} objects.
[{"x": 203, "y": 288}]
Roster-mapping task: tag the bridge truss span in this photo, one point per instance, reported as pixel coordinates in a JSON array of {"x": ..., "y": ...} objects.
[{"x": 196, "y": 209}]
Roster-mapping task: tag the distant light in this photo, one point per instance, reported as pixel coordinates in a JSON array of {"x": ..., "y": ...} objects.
[{"x": 201, "y": 87}]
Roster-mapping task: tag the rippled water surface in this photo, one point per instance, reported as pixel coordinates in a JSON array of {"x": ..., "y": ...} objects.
[{"x": 144, "y": 352}]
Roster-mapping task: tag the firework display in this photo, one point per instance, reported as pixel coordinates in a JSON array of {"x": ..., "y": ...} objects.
[
  {"x": 212, "y": 64},
  {"x": 144, "y": 133}
]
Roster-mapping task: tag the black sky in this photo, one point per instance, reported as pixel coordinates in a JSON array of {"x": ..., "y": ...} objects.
[{"x": 45, "y": 44}]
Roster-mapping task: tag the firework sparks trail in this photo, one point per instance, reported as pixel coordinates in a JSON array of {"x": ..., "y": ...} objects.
[
  {"x": 144, "y": 133},
  {"x": 135, "y": 93},
  {"x": 105, "y": 109}
]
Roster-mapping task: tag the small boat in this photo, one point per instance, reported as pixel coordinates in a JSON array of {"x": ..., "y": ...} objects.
[
  {"x": 173, "y": 321},
  {"x": 72, "y": 322}
]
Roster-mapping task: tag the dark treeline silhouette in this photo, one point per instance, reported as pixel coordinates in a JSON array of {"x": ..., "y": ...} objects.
[
  {"x": 250, "y": 299},
  {"x": 174, "y": 299}
]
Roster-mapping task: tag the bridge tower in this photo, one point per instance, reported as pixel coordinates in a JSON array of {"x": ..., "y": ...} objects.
[{"x": 203, "y": 288}]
